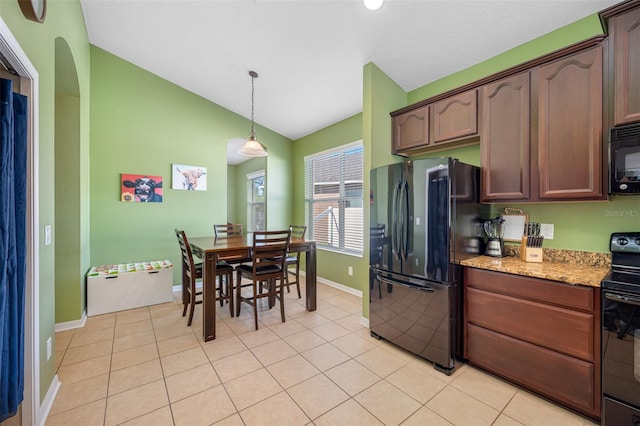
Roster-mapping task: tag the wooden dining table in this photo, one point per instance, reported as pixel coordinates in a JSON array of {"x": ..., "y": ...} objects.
[{"x": 211, "y": 249}]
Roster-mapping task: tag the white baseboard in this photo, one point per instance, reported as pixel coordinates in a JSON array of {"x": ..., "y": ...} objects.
[
  {"x": 339, "y": 286},
  {"x": 364, "y": 321},
  {"x": 49, "y": 398},
  {"x": 72, "y": 324}
]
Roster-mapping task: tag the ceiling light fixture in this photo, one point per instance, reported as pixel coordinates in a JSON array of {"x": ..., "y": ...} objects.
[
  {"x": 373, "y": 4},
  {"x": 253, "y": 148}
]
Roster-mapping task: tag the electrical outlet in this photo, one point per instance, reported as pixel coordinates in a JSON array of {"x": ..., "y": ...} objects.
[
  {"x": 350, "y": 270},
  {"x": 546, "y": 230},
  {"x": 48, "y": 348}
]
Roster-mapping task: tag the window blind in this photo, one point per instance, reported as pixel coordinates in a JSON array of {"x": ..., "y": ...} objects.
[{"x": 334, "y": 198}]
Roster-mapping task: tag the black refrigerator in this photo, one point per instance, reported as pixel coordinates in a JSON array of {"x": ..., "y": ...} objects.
[{"x": 425, "y": 219}]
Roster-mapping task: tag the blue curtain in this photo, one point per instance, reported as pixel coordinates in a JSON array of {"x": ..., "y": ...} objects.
[{"x": 13, "y": 210}]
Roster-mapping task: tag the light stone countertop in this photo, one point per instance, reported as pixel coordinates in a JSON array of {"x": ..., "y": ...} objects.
[{"x": 556, "y": 271}]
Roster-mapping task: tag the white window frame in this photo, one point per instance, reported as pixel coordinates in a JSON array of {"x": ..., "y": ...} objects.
[
  {"x": 354, "y": 244},
  {"x": 251, "y": 222}
]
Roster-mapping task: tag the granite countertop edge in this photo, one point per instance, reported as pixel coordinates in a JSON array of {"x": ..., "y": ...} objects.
[{"x": 577, "y": 274}]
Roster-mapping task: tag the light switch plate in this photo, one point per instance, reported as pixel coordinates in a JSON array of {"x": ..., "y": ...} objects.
[
  {"x": 546, "y": 230},
  {"x": 47, "y": 235}
]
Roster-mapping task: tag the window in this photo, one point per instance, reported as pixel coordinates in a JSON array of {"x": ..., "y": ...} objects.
[
  {"x": 333, "y": 198},
  {"x": 256, "y": 191}
]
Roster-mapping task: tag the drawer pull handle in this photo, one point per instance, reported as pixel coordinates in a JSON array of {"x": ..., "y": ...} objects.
[
  {"x": 111, "y": 277},
  {"x": 154, "y": 272}
]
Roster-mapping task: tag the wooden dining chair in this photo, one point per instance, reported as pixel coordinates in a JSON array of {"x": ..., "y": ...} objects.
[
  {"x": 231, "y": 230},
  {"x": 293, "y": 258},
  {"x": 186, "y": 271},
  {"x": 224, "y": 280},
  {"x": 268, "y": 257}
]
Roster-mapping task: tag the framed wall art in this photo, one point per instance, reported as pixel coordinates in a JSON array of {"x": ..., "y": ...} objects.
[
  {"x": 188, "y": 178},
  {"x": 140, "y": 188}
]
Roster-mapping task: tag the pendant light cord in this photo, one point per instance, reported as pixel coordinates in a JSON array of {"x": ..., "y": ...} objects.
[{"x": 253, "y": 75}]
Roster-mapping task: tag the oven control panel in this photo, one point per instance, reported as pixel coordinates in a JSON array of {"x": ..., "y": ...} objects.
[{"x": 625, "y": 242}]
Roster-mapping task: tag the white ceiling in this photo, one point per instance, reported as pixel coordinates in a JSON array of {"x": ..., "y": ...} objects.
[{"x": 309, "y": 54}]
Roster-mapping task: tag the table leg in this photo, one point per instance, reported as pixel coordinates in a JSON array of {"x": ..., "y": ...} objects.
[
  {"x": 310, "y": 277},
  {"x": 209, "y": 297}
]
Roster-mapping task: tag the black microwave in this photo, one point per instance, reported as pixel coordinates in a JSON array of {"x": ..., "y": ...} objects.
[{"x": 624, "y": 159}]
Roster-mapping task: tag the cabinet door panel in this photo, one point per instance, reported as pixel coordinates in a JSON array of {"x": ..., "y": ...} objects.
[
  {"x": 411, "y": 129},
  {"x": 505, "y": 139},
  {"x": 455, "y": 117},
  {"x": 554, "y": 328},
  {"x": 570, "y": 127},
  {"x": 558, "y": 376},
  {"x": 626, "y": 36}
]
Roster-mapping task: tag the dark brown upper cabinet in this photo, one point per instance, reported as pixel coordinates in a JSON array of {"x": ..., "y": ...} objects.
[
  {"x": 444, "y": 124},
  {"x": 454, "y": 118},
  {"x": 542, "y": 132},
  {"x": 569, "y": 127},
  {"x": 410, "y": 130},
  {"x": 505, "y": 139},
  {"x": 625, "y": 38}
]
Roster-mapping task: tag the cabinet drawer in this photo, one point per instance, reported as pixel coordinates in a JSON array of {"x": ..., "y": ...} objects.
[
  {"x": 563, "y": 378},
  {"x": 559, "y": 329},
  {"x": 567, "y": 295}
]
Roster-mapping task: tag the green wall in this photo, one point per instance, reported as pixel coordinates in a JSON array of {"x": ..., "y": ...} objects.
[
  {"x": 142, "y": 124},
  {"x": 65, "y": 21},
  {"x": 330, "y": 265}
]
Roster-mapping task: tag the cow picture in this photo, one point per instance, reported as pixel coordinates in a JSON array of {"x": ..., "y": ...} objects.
[
  {"x": 141, "y": 188},
  {"x": 189, "y": 178}
]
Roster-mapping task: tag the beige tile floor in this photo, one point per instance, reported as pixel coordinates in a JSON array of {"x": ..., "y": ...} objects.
[{"x": 146, "y": 367}]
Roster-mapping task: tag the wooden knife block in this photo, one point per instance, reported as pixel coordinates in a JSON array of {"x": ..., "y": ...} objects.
[{"x": 530, "y": 254}]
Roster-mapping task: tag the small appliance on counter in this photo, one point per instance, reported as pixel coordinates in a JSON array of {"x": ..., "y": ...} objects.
[
  {"x": 621, "y": 332},
  {"x": 494, "y": 229}
]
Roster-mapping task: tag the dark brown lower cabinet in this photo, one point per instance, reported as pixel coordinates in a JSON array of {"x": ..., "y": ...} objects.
[{"x": 539, "y": 334}]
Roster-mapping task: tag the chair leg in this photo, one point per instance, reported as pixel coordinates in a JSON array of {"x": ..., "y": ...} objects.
[
  {"x": 282, "y": 301},
  {"x": 192, "y": 306},
  {"x": 238, "y": 293},
  {"x": 230, "y": 291},
  {"x": 185, "y": 304},
  {"x": 255, "y": 303}
]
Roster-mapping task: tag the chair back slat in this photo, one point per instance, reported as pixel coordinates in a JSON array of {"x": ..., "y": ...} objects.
[
  {"x": 298, "y": 231},
  {"x": 270, "y": 251},
  {"x": 187, "y": 254},
  {"x": 228, "y": 230}
]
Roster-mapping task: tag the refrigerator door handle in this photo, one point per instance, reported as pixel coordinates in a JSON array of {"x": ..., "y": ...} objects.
[
  {"x": 406, "y": 224},
  {"x": 403, "y": 284},
  {"x": 394, "y": 220}
]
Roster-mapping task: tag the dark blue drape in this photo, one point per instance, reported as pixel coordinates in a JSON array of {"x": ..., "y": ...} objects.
[{"x": 13, "y": 210}]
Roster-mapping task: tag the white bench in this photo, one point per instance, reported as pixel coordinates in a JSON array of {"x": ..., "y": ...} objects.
[{"x": 112, "y": 288}]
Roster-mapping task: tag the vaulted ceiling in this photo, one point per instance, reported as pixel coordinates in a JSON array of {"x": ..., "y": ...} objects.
[{"x": 309, "y": 54}]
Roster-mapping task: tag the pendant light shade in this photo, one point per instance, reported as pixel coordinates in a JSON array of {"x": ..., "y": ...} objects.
[{"x": 252, "y": 148}]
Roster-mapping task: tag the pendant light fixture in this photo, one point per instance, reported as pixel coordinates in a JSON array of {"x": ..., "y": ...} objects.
[{"x": 252, "y": 148}]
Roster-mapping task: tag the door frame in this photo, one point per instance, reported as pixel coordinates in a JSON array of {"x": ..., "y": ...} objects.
[{"x": 18, "y": 60}]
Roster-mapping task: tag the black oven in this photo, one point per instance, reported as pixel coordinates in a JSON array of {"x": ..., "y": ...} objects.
[
  {"x": 621, "y": 333},
  {"x": 624, "y": 159}
]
